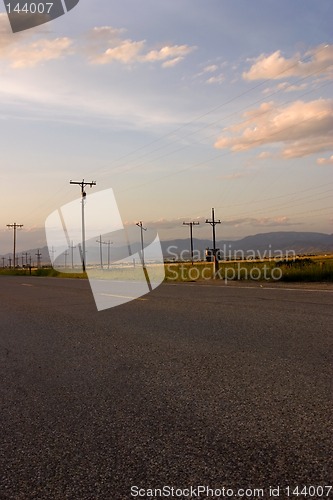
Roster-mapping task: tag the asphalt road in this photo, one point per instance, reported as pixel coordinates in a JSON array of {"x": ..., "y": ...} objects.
[{"x": 194, "y": 384}]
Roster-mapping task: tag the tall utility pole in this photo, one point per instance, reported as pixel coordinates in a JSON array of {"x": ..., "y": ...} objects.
[
  {"x": 65, "y": 256},
  {"x": 39, "y": 258},
  {"x": 72, "y": 254},
  {"x": 108, "y": 243},
  {"x": 26, "y": 258},
  {"x": 83, "y": 184},
  {"x": 14, "y": 226},
  {"x": 109, "y": 252},
  {"x": 3, "y": 262},
  {"x": 139, "y": 224},
  {"x": 100, "y": 250},
  {"x": 191, "y": 224},
  {"x": 213, "y": 223}
]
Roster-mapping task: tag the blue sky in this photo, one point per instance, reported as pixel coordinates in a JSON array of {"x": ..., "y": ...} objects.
[{"x": 179, "y": 106}]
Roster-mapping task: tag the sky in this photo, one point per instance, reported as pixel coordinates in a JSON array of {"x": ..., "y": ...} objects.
[{"x": 178, "y": 106}]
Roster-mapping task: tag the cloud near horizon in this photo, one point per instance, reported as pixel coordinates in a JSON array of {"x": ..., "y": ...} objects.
[
  {"x": 325, "y": 161},
  {"x": 303, "y": 128},
  {"x": 275, "y": 66},
  {"x": 172, "y": 224},
  {"x": 262, "y": 221}
]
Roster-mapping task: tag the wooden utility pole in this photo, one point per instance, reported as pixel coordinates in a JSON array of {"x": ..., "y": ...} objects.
[
  {"x": 14, "y": 227},
  {"x": 213, "y": 223}
]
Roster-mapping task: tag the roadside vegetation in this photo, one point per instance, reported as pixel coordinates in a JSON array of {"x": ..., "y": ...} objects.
[
  {"x": 314, "y": 269},
  {"x": 44, "y": 271},
  {"x": 301, "y": 269}
]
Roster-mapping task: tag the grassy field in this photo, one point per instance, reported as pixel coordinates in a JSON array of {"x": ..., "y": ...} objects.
[
  {"x": 319, "y": 269},
  {"x": 308, "y": 269},
  {"x": 47, "y": 271}
]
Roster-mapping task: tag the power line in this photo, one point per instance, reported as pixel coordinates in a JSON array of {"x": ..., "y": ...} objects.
[
  {"x": 221, "y": 155},
  {"x": 218, "y": 107},
  {"x": 215, "y": 108}
]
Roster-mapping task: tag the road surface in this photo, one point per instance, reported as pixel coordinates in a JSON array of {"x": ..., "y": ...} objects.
[{"x": 193, "y": 384}]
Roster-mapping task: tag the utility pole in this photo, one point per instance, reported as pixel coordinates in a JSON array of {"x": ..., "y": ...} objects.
[
  {"x": 145, "y": 271},
  {"x": 213, "y": 223},
  {"x": 100, "y": 250},
  {"x": 191, "y": 224},
  {"x": 51, "y": 251},
  {"x": 65, "y": 255},
  {"x": 14, "y": 226},
  {"x": 10, "y": 262},
  {"x": 3, "y": 262},
  {"x": 72, "y": 253},
  {"x": 108, "y": 243},
  {"x": 139, "y": 224},
  {"x": 26, "y": 258},
  {"x": 39, "y": 256},
  {"x": 83, "y": 184}
]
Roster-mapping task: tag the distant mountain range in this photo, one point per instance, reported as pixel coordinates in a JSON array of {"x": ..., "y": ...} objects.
[{"x": 282, "y": 241}]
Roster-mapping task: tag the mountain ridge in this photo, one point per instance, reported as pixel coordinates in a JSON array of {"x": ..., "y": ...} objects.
[{"x": 300, "y": 242}]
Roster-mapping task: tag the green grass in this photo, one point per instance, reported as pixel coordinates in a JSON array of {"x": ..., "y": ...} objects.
[
  {"x": 45, "y": 271},
  {"x": 306, "y": 270},
  {"x": 316, "y": 269}
]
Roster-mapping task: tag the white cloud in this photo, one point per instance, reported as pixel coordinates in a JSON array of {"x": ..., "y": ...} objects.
[
  {"x": 24, "y": 50},
  {"x": 128, "y": 51},
  {"x": 30, "y": 55},
  {"x": 215, "y": 80},
  {"x": 275, "y": 66},
  {"x": 285, "y": 87},
  {"x": 302, "y": 127},
  {"x": 296, "y": 88},
  {"x": 172, "y": 62},
  {"x": 235, "y": 175},
  {"x": 210, "y": 69},
  {"x": 261, "y": 221},
  {"x": 167, "y": 52},
  {"x": 125, "y": 52},
  {"x": 325, "y": 161},
  {"x": 264, "y": 155},
  {"x": 101, "y": 45}
]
